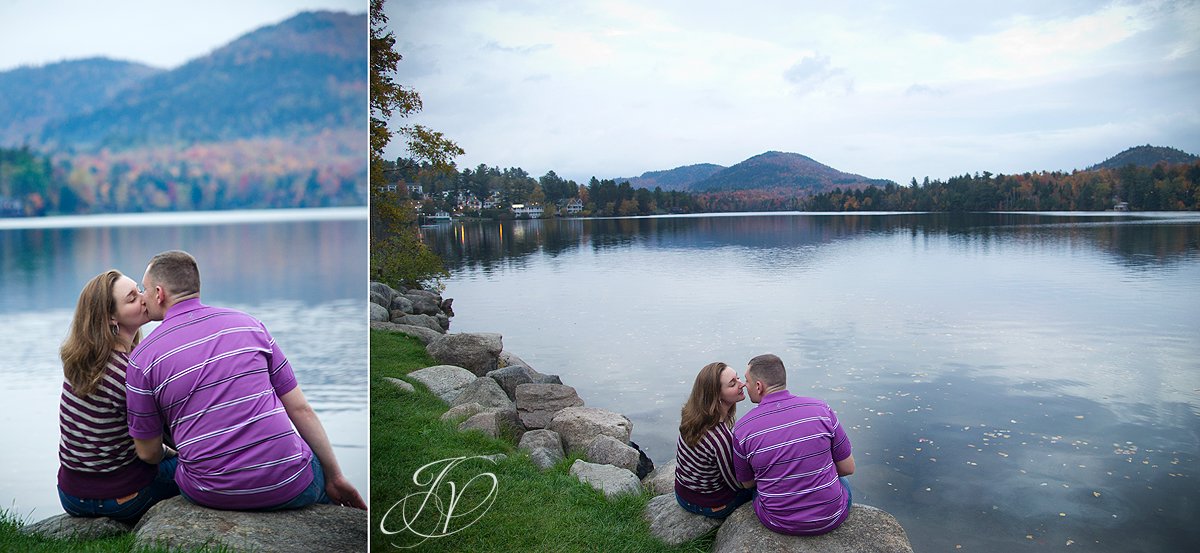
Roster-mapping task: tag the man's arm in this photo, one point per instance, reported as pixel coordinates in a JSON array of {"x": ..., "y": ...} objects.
[
  {"x": 845, "y": 467},
  {"x": 150, "y": 450},
  {"x": 337, "y": 487}
]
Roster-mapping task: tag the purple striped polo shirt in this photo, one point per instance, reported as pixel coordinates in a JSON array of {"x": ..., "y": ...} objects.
[
  {"x": 97, "y": 459},
  {"x": 788, "y": 445},
  {"x": 212, "y": 379},
  {"x": 704, "y": 473}
]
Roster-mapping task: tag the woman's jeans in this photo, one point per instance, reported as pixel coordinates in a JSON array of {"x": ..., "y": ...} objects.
[
  {"x": 742, "y": 496},
  {"x": 130, "y": 511}
]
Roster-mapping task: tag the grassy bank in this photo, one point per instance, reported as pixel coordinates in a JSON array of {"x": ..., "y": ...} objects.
[{"x": 532, "y": 510}]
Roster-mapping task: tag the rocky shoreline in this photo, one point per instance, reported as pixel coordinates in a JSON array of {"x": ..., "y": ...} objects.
[{"x": 491, "y": 390}]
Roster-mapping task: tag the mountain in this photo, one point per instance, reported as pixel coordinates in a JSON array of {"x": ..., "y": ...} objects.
[
  {"x": 1146, "y": 156},
  {"x": 296, "y": 78},
  {"x": 679, "y": 178},
  {"x": 782, "y": 171},
  {"x": 31, "y": 97}
]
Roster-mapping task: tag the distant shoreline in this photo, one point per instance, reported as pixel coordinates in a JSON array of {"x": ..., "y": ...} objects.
[{"x": 177, "y": 218}]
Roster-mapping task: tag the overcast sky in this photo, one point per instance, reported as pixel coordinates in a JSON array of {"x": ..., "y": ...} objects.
[
  {"x": 160, "y": 33},
  {"x": 885, "y": 89}
]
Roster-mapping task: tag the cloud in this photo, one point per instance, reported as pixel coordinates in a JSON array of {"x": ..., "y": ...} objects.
[
  {"x": 495, "y": 46},
  {"x": 918, "y": 89},
  {"x": 815, "y": 73}
]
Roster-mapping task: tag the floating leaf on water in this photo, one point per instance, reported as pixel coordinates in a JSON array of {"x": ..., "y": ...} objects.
[
  {"x": 1080, "y": 417},
  {"x": 1069, "y": 542},
  {"x": 1028, "y": 536},
  {"x": 1062, "y": 514},
  {"x": 1096, "y": 494}
]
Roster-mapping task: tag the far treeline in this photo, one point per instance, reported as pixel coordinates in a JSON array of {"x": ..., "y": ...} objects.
[
  {"x": 1161, "y": 187},
  {"x": 247, "y": 174}
]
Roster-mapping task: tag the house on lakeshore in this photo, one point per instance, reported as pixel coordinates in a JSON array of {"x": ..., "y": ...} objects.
[
  {"x": 532, "y": 211},
  {"x": 574, "y": 206}
]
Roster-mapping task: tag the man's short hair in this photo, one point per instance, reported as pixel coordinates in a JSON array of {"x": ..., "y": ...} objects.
[
  {"x": 176, "y": 271},
  {"x": 767, "y": 368}
]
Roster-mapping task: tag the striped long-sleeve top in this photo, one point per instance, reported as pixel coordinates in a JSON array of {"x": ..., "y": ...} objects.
[
  {"x": 97, "y": 459},
  {"x": 704, "y": 472}
]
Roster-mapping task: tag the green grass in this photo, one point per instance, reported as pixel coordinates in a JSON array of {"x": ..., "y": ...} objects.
[{"x": 533, "y": 510}]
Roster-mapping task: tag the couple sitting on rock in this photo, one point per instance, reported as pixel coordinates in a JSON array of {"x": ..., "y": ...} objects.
[
  {"x": 789, "y": 454},
  {"x": 211, "y": 382}
]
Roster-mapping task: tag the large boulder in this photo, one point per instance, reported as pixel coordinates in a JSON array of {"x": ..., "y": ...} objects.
[
  {"x": 544, "y": 447},
  {"x": 380, "y": 300},
  {"x": 866, "y": 530},
  {"x": 400, "y": 384},
  {"x": 510, "y": 377},
  {"x": 402, "y": 318},
  {"x": 445, "y": 381},
  {"x": 462, "y": 412},
  {"x": 607, "y": 450},
  {"x": 579, "y": 425},
  {"x": 383, "y": 290},
  {"x": 509, "y": 359},
  {"x": 608, "y": 479},
  {"x": 485, "y": 392},
  {"x": 477, "y": 352},
  {"x": 538, "y": 403},
  {"x": 65, "y": 526},
  {"x": 177, "y": 524},
  {"x": 672, "y": 525},
  {"x": 424, "y": 303},
  {"x": 379, "y": 313},
  {"x": 424, "y": 334},
  {"x": 402, "y": 304},
  {"x": 662, "y": 479}
]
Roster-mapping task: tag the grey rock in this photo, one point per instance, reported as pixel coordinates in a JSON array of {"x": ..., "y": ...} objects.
[
  {"x": 444, "y": 381},
  {"x": 509, "y": 359},
  {"x": 607, "y": 450},
  {"x": 485, "y": 392},
  {"x": 541, "y": 438},
  {"x": 608, "y": 479},
  {"x": 65, "y": 526},
  {"x": 401, "y": 303},
  {"x": 477, "y": 352},
  {"x": 544, "y": 447},
  {"x": 547, "y": 379},
  {"x": 495, "y": 423},
  {"x": 443, "y": 321},
  {"x": 424, "y": 303},
  {"x": 509, "y": 378},
  {"x": 866, "y": 530},
  {"x": 662, "y": 479},
  {"x": 463, "y": 411},
  {"x": 177, "y": 524},
  {"x": 545, "y": 458},
  {"x": 378, "y": 313},
  {"x": 645, "y": 466},
  {"x": 579, "y": 425},
  {"x": 448, "y": 306},
  {"x": 424, "y": 294},
  {"x": 402, "y": 385},
  {"x": 380, "y": 300},
  {"x": 384, "y": 290},
  {"x": 424, "y": 334},
  {"x": 672, "y": 525},
  {"x": 538, "y": 403},
  {"x": 399, "y": 317}
]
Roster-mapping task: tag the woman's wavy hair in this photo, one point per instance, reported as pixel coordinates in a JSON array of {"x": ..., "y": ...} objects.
[
  {"x": 91, "y": 340},
  {"x": 703, "y": 409}
]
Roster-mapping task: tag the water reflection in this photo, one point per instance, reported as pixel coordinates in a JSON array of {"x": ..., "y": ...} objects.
[{"x": 1136, "y": 240}]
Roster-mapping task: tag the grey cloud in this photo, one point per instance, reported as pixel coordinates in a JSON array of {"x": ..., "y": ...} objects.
[
  {"x": 918, "y": 89},
  {"x": 815, "y": 72},
  {"x": 494, "y": 46}
]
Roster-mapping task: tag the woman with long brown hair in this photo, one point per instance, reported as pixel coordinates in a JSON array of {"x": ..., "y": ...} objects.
[
  {"x": 99, "y": 472},
  {"x": 704, "y": 479}
]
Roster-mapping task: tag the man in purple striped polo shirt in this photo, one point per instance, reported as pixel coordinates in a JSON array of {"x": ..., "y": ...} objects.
[
  {"x": 795, "y": 451},
  {"x": 217, "y": 386}
]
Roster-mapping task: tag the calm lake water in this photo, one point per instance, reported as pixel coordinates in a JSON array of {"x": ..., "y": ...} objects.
[
  {"x": 1009, "y": 381},
  {"x": 302, "y": 272}
]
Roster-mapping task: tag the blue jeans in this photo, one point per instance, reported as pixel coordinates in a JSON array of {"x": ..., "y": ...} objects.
[
  {"x": 849, "y": 493},
  {"x": 742, "y": 496},
  {"x": 130, "y": 511},
  {"x": 314, "y": 493}
]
